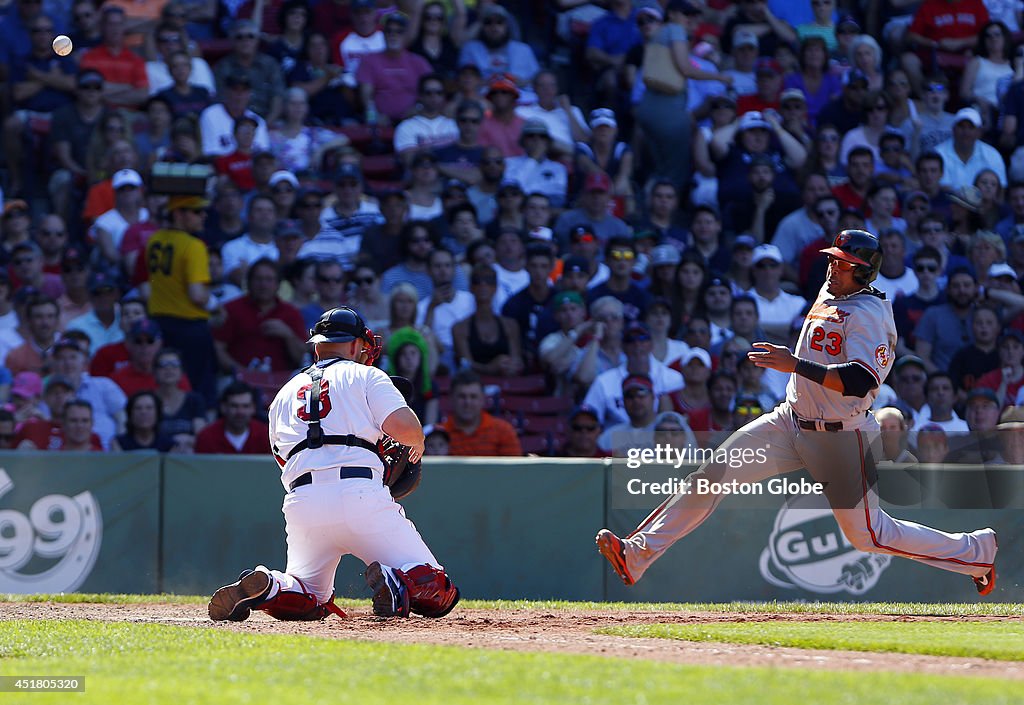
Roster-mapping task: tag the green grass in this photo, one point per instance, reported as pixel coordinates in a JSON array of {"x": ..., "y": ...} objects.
[
  {"x": 166, "y": 665},
  {"x": 951, "y": 609},
  {"x": 993, "y": 640}
]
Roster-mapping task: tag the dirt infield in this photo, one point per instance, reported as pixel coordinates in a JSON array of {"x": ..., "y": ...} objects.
[{"x": 555, "y": 631}]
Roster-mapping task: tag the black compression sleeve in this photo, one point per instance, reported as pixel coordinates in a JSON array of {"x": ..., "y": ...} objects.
[
  {"x": 857, "y": 381},
  {"x": 813, "y": 371}
]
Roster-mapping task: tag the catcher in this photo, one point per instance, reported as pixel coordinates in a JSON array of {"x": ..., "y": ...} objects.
[{"x": 337, "y": 476}]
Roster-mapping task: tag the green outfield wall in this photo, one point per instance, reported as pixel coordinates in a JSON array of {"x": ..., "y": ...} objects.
[{"x": 503, "y": 528}]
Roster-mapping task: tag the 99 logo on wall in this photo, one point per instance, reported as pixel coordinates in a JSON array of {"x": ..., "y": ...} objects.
[{"x": 54, "y": 547}]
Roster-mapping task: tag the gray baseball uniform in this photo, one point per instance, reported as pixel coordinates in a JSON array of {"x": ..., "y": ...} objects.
[{"x": 829, "y": 434}]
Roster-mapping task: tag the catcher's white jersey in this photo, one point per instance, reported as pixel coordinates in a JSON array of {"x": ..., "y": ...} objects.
[
  {"x": 354, "y": 399},
  {"x": 855, "y": 328}
]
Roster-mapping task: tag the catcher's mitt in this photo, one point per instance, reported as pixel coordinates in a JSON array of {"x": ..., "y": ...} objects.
[{"x": 401, "y": 476}]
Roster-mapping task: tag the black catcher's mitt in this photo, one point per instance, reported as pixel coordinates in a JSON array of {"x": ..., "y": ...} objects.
[{"x": 401, "y": 476}]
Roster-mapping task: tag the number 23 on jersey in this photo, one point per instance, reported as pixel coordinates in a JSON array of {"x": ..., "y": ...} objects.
[{"x": 830, "y": 342}]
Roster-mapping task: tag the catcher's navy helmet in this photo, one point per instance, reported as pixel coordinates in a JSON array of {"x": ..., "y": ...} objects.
[
  {"x": 342, "y": 325},
  {"x": 861, "y": 248}
]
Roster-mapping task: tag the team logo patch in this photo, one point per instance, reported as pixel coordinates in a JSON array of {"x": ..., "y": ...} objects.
[
  {"x": 882, "y": 355},
  {"x": 842, "y": 238}
]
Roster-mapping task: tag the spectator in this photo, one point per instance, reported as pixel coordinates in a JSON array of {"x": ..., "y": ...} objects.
[
  {"x": 717, "y": 418},
  {"x": 440, "y": 38},
  {"x": 429, "y": 129},
  {"x": 170, "y": 41},
  {"x": 637, "y": 431},
  {"x": 584, "y": 430},
  {"x": 110, "y": 357},
  {"x": 509, "y": 213},
  {"x": 621, "y": 255},
  {"x": 671, "y": 429},
  {"x": 502, "y": 127},
  {"x": 760, "y": 209},
  {"x": 695, "y": 367},
  {"x": 105, "y": 397},
  {"x": 802, "y": 226},
  {"x": 323, "y": 82},
  {"x": 388, "y": 79},
  {"x": 964, "y": 155},
  {"x": 182, "y": 413},
  {"x": 43, "y": 432},
  {"x": 932, "y": 444},
  {"x": 893, "y": 430},
  {"x": 974, "y": 361},
  {"x": 535, "y": 171},
  {"x": 435, "y": 440},
  {"x": 402, "y": 305},
  {"x": 124, "y": 72},
  {"x": 484, "y": 342},
  {"x": 472, "y": 430},
  {"x": 662, "y": 215},
  {"x": 509, "y": 265},
  {"x": 344, "y": 223},
  {"x": 757, "y": 17},
  {"x": 142, "y": 343},
  {"x": 237, "y": 166},
  {"x": 77, "y": 427},
  {"x": 860, "y": 167},
  {"x": 237, "y": 431},
  {"x": 940, "y": 396},
  {"x": 102, "y": 323},
  {"x": 815, "y": 81},
  {"x": 767, "y": 88},
  {"x": 108, "y": 230},
  {"x": 446, "y": 305},
  {"x": 186, "y": 98},
  {"x": 142, "y": 426},
  {"x": 908, "y": 380},
  {"x": 941, "y": 26},
  {"x": 982, "y": 444},
  {"x": 605, "y": 393},
  {"x": 6, "y": 430},
  {"x": 1011, "y": 447},
  {"x": 1008, "y": 378},
  {"x": 945, "y": 328},
  {"x": 460, "y": 159},
  {"x": 217, "y": 122},
  {"x": 529, "y": 306},
  {"x": 263, "y": 72},
  {"x": 416, "y": 243},
  {"x": 495, "y": 52},
  {"x": 895, "y": 278},
  {"x": 261, "y": 331},
  {"x": 866, "y": 56},
  {"x": 717, "y": 304},
  {"x": 610, "y": 39},
  {"x": 27, "y": 270},
  {"x": 776, "y": 308},
  {"x": 26, "y": 402},
  {"x": 367, "y": 298},
  {"x": 179, "y": 285},
  {"x": 846, "y": 111},
  {"x": 72, "y": 128},
  {"x": 42, "y": 316},
  {"x": 423, "y": 188},
  {"x": 409, "y": 356},
  {"x": 257, "y": 243},
  {"x": 745, "y": 320},
  {"x": 733, "y": 146},
  {"x": 41, "y": 82},
  {"x": 593, "y": 211},
  {"x": 564, "y": 121}
]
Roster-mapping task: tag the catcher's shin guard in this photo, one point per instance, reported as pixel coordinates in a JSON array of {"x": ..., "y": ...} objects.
[
  {"x": 290, "y": 606},
  {"x": 431, "y": 591}
]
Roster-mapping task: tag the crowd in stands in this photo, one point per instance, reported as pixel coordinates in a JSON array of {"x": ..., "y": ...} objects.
[{"x": 568, "y": 220}]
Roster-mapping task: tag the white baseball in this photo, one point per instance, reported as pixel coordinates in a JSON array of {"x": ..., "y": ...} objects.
[{"x": 62, "y": 45}]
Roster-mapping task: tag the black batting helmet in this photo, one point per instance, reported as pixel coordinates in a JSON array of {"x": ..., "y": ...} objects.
[
  {"x": 342, "y": 325},
  {"x": 861, "y": 248}
]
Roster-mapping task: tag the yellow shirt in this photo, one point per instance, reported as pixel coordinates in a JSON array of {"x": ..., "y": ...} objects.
[{"x": 175, "y": 259}]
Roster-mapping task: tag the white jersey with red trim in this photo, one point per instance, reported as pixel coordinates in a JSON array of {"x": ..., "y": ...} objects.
[
  {"x": 856, "y": 328},
  {"x": 354, "y": 399}
]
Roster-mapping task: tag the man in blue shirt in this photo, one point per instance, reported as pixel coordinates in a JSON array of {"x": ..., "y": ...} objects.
[{"x": 611, "y": 37}]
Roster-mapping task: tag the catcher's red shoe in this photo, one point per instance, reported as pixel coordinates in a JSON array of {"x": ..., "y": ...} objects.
[
  {"x": 986, "y": 583},
  {"x": 611, "y": 548}
]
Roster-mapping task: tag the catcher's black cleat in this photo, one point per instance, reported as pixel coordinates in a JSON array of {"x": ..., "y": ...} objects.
[
  {"x": 390, "y": 596},
  {"x": 234, "y": 602}
]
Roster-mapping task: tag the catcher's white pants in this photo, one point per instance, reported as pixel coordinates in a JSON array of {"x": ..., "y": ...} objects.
[{"x": 330, "y": 518}]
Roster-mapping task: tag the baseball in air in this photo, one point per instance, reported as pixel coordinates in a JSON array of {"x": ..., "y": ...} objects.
[{"x": 62, "y": 45}]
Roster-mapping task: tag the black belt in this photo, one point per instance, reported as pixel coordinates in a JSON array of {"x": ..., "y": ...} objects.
[
  {"x": 343, "y": 473},
  {"x": 809, "y": 424}
]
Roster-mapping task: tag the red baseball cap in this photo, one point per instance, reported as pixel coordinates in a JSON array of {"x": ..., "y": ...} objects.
[{"x": 597, "y": 181}]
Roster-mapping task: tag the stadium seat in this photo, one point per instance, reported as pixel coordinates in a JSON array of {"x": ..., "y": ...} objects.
[
  {"x": 525, "y": 385},
  {"x": 268, "y": 384},
  {"x": 538, "y": 445},
  {"x": 539, "y": 406}
]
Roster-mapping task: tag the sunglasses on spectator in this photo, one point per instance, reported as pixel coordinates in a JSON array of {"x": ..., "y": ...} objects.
[
  {"x": 169, "y": 38},
  {"x": 935, "y": 87},
  {"x": 284, "y": 188},
  {"x": 590, "y": 428},
  {"x": 415, "y": 240},
  {"x": 828, "y": 212},
  {"x": 433, "y": 17},
  {"x": 748, "y": 410},
  {"x": 144, "y": 340},
  {"x": 472, "y": 120},
  {"x": 892, "y": 148},
  {"x": 932, "y": 268},
  {"x": 6, "y": 436},
  {"x": 196, "y": 211},
  {"x": 492, "y": 160},
  {"x": 330, "y": 280},
  {"x": 51, "y": 233},
  {"x": 935, "y": 230},
  {"x": 23, "y": 260},
  {"x": 42, "y": 29},
  {"x": 829, "y": 137},
  {"x": 622, "y": 254},
  {"x": 881, "y": 107},
  {"x": 245, "y": 36},
  {"x": 310, "y": 204},
  {"x": 494, "y": 20},
  {"x": 636, "y": 393},
  {"x": 644, "y": 20},
  {"x": 365, "y": 280}
]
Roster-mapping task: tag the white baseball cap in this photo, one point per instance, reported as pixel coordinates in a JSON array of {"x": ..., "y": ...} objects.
[
  {"x": 603, "y": 116},
  {"x": 766, "y": 252},
  {"x": 696, "y": 354},
  {"x": 282, "y": 175},
  {"x": 541, "y": 232},
  {"x": 1001, "y": 269},
  {"x": 752, "y": 120},
  {"x": 126, "y": 177},
  {"x": 969, "y": 114}
]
